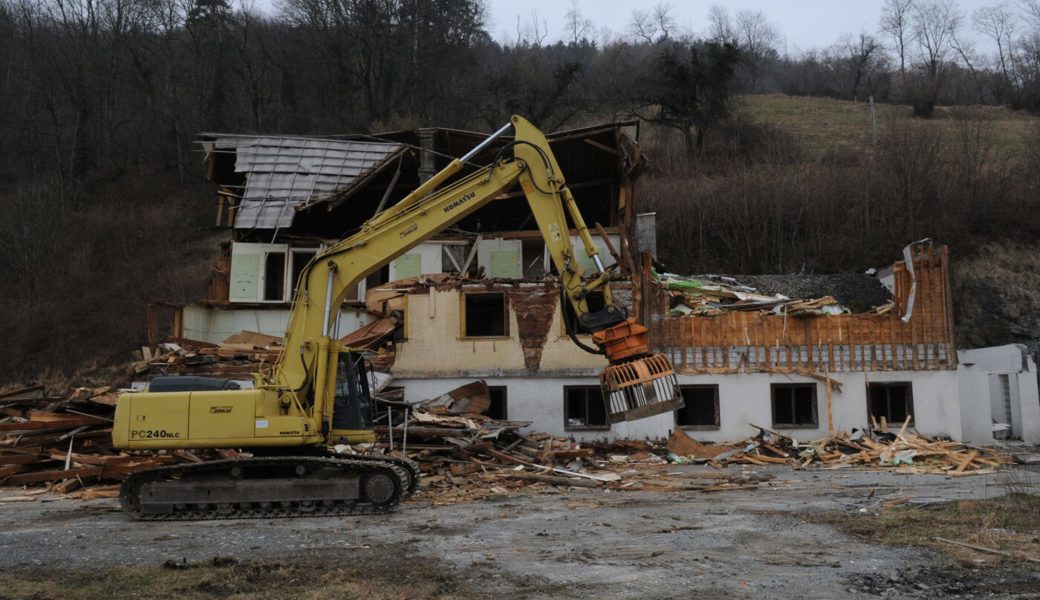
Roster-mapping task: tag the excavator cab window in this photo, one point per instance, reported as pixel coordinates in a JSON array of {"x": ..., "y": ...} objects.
[{"x": 353, "y": 408}]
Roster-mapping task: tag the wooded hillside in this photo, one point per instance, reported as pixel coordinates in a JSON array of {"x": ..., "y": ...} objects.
[{"x": 107, "y": 208}]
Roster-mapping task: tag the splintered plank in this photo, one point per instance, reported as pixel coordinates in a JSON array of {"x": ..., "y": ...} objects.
[
  {"x": 57, "y": 475},
  {"x": 63, "y": 423},
  {"x": 19, "y": 458},
  {"x": 967, "y": 461}
]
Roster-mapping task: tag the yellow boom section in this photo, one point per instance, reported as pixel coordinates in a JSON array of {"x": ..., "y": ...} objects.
[{"x": 307, "y": 366}]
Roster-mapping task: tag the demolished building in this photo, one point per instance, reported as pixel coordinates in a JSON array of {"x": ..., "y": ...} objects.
[{"x": 480, "y": 301}]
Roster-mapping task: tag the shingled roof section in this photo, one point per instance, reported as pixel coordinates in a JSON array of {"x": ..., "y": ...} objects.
[{"x": 285, "y": 173}]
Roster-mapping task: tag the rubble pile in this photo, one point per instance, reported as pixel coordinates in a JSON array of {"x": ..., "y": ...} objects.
[
  {"x": 909, "y": 451},
  {"x": 792, "y": 295},
  {"x": 713, "y": 295},
  {"x": 66, "y": 442},
  {"x": 237, "y": 357},
  {"x": 465, "y": 455}
]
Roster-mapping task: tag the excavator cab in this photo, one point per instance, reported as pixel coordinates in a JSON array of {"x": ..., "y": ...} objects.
[{"x": 352, "y": 408}]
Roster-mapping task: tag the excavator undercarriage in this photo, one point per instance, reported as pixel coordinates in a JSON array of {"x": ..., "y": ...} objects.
[{"x": 270, "y": 487}]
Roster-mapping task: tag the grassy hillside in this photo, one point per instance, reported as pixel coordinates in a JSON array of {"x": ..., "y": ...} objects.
[
  {"x": 793, "y": 184},
  {"x": 823, "y": 126}
]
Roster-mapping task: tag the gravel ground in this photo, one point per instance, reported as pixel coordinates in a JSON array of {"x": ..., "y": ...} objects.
[{"x": 758, "y": 543}]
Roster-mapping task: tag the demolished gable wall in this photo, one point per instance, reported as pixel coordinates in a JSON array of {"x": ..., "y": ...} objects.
[{"x": 535, "y": 346}]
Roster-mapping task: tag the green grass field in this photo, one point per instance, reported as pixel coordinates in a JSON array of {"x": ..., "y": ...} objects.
[{"x": 825, "y": 125}]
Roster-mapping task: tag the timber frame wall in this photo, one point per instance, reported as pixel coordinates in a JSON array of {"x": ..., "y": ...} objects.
[{"x": 752, "y": 341}]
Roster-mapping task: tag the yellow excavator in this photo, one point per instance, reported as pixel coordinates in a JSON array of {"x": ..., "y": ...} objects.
[{"x": 317, "y": 395}]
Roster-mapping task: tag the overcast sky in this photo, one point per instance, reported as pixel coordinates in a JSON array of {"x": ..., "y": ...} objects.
[{"x": 803, "y": 24}]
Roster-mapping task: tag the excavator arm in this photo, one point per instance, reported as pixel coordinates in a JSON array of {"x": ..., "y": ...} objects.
[{"x": 307, "y": 368}]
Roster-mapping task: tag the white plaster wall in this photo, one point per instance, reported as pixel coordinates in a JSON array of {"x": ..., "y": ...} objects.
[
  {"x": 746, "y": 398},
  {"x": 214, "y": 325},
  {"x": 1029, "y": 398},
  {"x": 541, "y": 401},
  {"x": 981, "y": 368},
  {"x": 973, "y": 393},
  {"x": 743, "y": 399}
]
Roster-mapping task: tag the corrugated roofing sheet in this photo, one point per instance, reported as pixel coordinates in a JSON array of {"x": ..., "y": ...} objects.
[{"x": 284, "y": 173}]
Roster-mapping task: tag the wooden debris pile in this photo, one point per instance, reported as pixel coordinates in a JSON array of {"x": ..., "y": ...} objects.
[
  {"x": 465, "y": 455},
  {"x": 66, "y": 441},
  {"x": 714, "y": 295},
  {"x": 237, "y": 357},
  {"x": 908, "y": 451}
]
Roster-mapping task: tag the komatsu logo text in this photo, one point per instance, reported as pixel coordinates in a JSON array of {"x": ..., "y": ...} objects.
[{"x": 460, "y": 202}]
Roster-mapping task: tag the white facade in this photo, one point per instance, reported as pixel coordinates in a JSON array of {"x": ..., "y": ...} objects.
[
  {"x": 999, "y": 386},
  {"x": 957, "y": 404},
  {"x": 743, "y": 399}
]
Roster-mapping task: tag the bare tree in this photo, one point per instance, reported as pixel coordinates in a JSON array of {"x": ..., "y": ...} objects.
[
  {"x": 998, "y": 24},
  {"x": 653, "y": 26},
  {"x": 970, "y": 57},
  {"x": 578, "y": 27},
  {"x": 757, "y": 38},
  {"x": 935, "y": 24},
  {"x": 895, "y": 21},
  {"x": 720, "y": 26},
  {"x": 532, "y": 33},
  {"x": 1028, "y": 55},
  {"x": 854, "y": 62}
]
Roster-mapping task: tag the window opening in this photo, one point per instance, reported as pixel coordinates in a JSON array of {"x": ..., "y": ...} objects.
[
  {"x": 274, "y": 276},
  {"x": 584, "y": 408},
  {"x": 300, "y": 258},
  {"x": 794, "y": 405},
  {"x": 893, "y": 401},
  {"x": 498, "y": 408},
  {"x": 533, "y": 256},
  {"x": 701, "y": 408},
  {"x": 485, "y": 315}
]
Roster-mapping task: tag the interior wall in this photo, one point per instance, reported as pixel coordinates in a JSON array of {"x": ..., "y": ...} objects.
[
  {"x": 214, "y": 325},
  {"x": 982, "y": 370}
]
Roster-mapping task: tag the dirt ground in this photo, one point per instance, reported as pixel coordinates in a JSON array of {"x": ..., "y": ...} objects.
[{"x": 749, "y": 543}]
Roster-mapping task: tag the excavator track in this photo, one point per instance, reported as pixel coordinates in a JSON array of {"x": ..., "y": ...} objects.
[
  {"x": 410, "y": 466},
  {"x": 270, "y": 487}
]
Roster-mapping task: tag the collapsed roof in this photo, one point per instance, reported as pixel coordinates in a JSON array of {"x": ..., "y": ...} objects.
[
  {"x": 282, "y": 174},
  {"x": 299, "y": 182}
]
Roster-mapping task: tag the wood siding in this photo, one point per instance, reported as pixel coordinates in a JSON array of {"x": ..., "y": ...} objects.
[{"x": 755, "y": 341}]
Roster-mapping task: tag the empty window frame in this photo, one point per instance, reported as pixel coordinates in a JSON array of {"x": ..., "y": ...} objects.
[
  {"x": 794, "y": 405},
  {"x": 274, "y": 276},
  {"x": 534, "y": 258},
  {"x": 701, "y": 410},
  {"x": 300, "y": 258},
  {"x": 583, "y": 408},
  {"x": 893, "y": 401},
  {"x": 499, "y": 408},
  {"x": 484, "y": 314}
]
